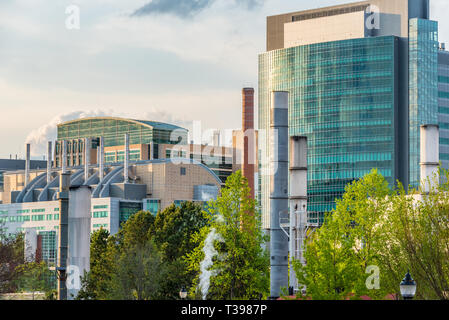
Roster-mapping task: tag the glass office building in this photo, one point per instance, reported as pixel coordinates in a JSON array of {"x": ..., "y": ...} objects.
[
  {"x": 342, "y": 97},
  {"x": 361, "y": 82}
]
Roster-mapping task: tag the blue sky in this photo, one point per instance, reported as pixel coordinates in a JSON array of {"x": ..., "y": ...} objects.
[{"x": 174, "y": 66}]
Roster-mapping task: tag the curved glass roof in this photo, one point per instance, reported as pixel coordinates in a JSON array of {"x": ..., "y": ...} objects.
[{"x": 112, "y": 129}]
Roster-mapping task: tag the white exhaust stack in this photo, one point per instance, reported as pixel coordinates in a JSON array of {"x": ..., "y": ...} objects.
[
  {"x": 49, "y": 161},
  {"x": 64, "y": 156},
  {"x": 298, "y": 201},
  {"x": 79, "y": 226},
  {"x": 278, "y": 192},
  {"x": 126, "y": 173},
  {"x": 430, "y": 157},
  {"x": 101, "y": 160},
  {"x": 87, "y": 147},
  {"x": 27, "y": 164}
]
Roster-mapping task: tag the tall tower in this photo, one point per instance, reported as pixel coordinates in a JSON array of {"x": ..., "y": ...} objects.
[{"x": 249, "y": 156}]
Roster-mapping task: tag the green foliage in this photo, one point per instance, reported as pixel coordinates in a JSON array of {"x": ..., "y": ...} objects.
[
  {"x": 419, "y": 231},
  {"x": 95, "y": 284},
  {"x": 241, "y": 269},
  {"x": 33, "y": 277},
  {"x": 137, "y": 273},
  {"x": 340, "y": 252},
  {"x": 172, "y": 233},
  {"x": 390, "y": 229},
  {"x": 11, "y": 256},
  {"x": 126, "y": 266}
]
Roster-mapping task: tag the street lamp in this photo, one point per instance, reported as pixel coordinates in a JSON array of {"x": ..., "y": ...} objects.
[
  {"x": 408, "y": 287},
  {"x": 183, "y": 293}
]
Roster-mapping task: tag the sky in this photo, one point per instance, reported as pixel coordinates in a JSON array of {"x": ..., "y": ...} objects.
[{"x": 173, "y": 61}]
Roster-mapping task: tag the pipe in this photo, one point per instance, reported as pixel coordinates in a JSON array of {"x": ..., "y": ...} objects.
[
  {"x": 430, "y": 157},
  {"x": 27, "y": 164},
  {"x": 87, "y": 147},
  {"x": 298, "y": 201},
  {"x": 278, "y": 191},
  {"x": 101, "y": 160},
  {"x": 151, "y": 151},
  {"x": 64, "y": 156},
  {"x": 49, "y": 161},
  {"x": 64, "y": 187},
  {"x": 126, "y": 165}
]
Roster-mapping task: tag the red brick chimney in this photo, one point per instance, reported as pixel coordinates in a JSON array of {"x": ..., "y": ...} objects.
[{"x": 248, "y": 124}]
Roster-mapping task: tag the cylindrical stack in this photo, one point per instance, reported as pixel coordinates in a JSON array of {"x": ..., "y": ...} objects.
[
  {"x": 298, "y": 200},
  {"x": 151, "y": 151},
  {"x": 87, "y": 147},
  {"x": 430, "y": 157},
  {"x": 27, "y": 164},
  {"x": 249, "y": 157},
  {"x": 101, "y": 160},
  {"x": 126, "y": 165},
  {"x": 49, "y": 161},
  {"x": 64, "y": 187},
  {"x": 278, "y": 191},
  {"x": 64, "y": 157}
]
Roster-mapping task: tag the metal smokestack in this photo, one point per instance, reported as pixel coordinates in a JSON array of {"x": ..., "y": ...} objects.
[
  {"x": 64, "y": 187},
  {"x": 278, "y": 191},
  {"x": 126, "y": 165},
  {"x": 27, "y": 164},
  {"x": 87, "y": 146},
  {"x": 64, "y": 156},
  {"x": 298, "y": 201},
  {"x": 430, "y": 157},
  {"x": 151, "y": 151},
  {"x": 101, "y": 160},
  {"x": 49, "y": 161}
]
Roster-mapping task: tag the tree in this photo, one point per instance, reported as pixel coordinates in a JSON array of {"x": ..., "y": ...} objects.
[
  {"x": 11, "y": 256},
  {"x": 33, "y": 277},
  {"x": 241, "y": 267},
  {"x": 172, "y": 233},
  {"x": 341, "y": 252},
  {"x": 137, "y": 273},
  {"x": 418, "y": 226},
  {"x": 124, "y": 266},
  {"x": 95, "y": 283}
]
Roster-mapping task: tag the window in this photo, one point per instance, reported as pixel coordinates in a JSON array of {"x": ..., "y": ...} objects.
[
  {"x": 100, "y": 214},
  {"x": 39, "y": 217},
  {"x": 183, "y": 171},
  {"x": 100, "y": 226},
  {"x": 100, "y": 207},
  {"x": 152, "y": 205}
]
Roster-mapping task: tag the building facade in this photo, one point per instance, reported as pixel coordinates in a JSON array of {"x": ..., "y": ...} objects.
[
  {"x": 149, "y": 140},
  {"x": 362, "y": 78}
]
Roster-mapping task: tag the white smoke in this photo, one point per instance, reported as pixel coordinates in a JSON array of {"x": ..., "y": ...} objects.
[
  {"x": 207, "y": 263},
  {"x": 38, "y": 138}
]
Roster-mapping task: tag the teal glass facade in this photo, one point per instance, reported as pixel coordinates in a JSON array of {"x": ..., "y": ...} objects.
[
  {"x": 113, "y": 130},
  {"x": 443, "y": 107},
  {"x": 343, "y": 97},
  {"x": 423, "y": 86}
]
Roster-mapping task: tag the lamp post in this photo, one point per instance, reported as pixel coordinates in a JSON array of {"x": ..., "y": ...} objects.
[
  {"x": 408, "y": 287},
  {"x": 183, "y": 293}
]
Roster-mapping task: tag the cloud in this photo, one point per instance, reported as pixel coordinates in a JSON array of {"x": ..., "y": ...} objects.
[{"x": 186, "y": 8}]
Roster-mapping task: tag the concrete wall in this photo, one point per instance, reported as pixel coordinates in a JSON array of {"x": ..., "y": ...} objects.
[{"x": 325, "y": 29}]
